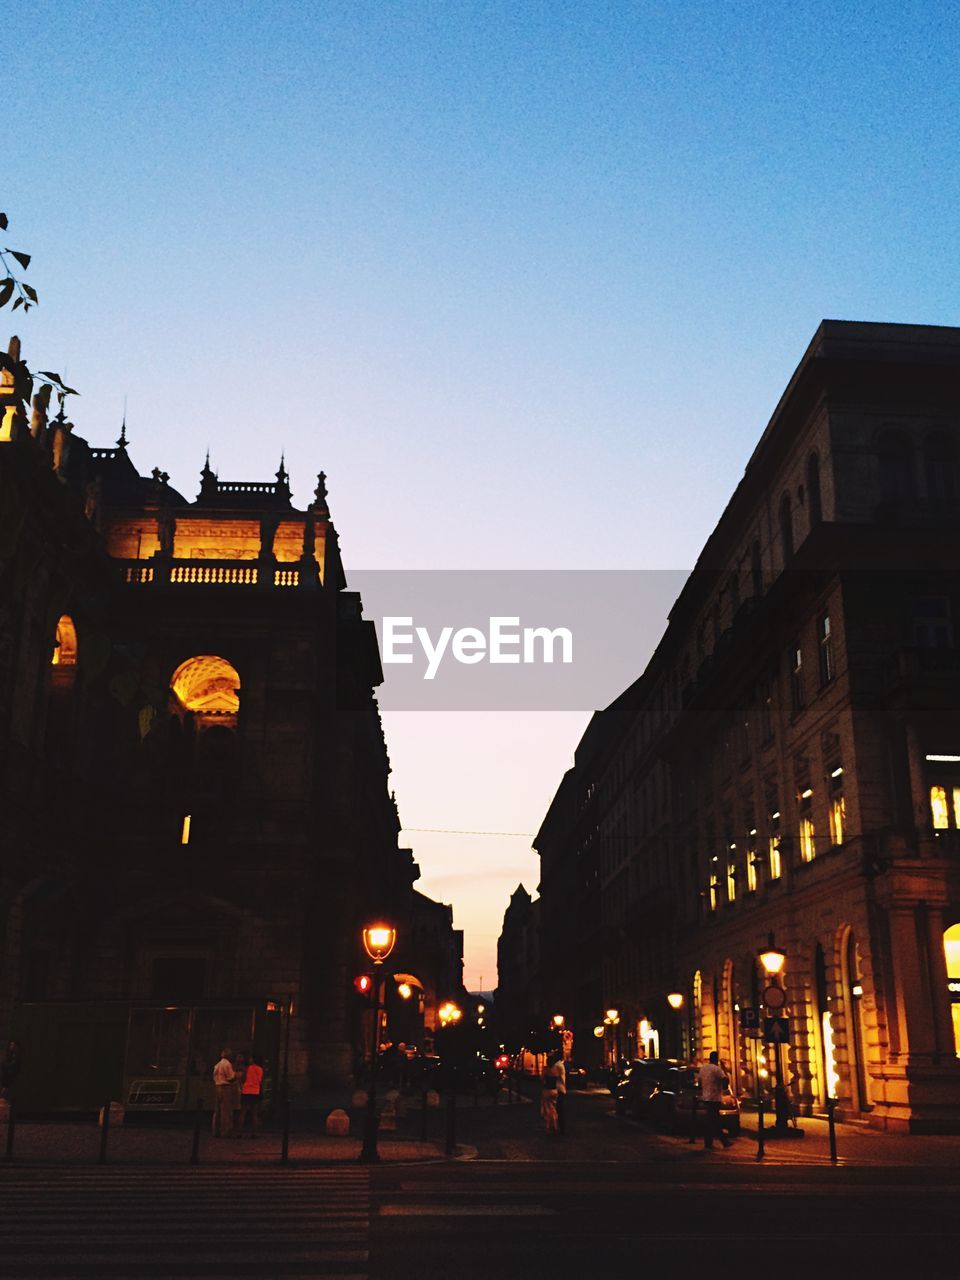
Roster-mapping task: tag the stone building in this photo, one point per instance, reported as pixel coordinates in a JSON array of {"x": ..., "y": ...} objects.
[
  {"x": 193, "y": 775},
  {"x": 518, "y": 1003},
  {"x": 790, "y": 765}
]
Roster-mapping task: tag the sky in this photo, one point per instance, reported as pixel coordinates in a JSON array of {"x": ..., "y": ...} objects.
[{"x": 526, "y": 280}]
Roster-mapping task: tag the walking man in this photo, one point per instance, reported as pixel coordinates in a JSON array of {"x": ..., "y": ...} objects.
[
  {"x": 223, "y": 1077},
  {"x": 712, "y": 1086}
]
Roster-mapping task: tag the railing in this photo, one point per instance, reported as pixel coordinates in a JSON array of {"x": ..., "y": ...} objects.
[
  {"x": 213, "y": 573},
  {"x": 210, "y": 573}
]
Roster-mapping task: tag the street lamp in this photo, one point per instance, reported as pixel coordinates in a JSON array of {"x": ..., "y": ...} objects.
[
  {"x": 448, "y": 1013},
  {"x": 773, "y": 960},
  {"x": 675, "y": 1001},
  {"x": 378, "y": 942},
  {"x": 612, "y": 1020}
]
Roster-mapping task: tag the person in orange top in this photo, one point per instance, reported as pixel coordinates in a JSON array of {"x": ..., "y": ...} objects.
[{"x": 250, "y": 1092}]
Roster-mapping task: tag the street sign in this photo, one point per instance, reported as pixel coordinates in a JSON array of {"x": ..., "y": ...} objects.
[
  {"x": 750, "y": 1023},
  {"x": 773, "y": 997},
  {"x": 776, "y": 1030}
]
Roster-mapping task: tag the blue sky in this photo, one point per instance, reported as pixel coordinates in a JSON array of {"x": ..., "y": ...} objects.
[{"x": 526, "y": 280}]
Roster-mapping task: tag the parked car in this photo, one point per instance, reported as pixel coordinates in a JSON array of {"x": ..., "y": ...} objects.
[
  {"x": 639, "y": 1083},
  {"x": 671, "y": 1102}
]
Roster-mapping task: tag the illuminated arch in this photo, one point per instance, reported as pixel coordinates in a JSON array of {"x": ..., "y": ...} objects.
[
  {"x": 65, "y": 643},
  {"x": 207, "y": 684}
]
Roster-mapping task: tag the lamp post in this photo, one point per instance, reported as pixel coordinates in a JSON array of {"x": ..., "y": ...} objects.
[
  {"x": 612, "y": 1020},
  {"x": 675, "y": 1001},
  {"x": 773, "y": 960},
  {"x": 378, "y": 941}
]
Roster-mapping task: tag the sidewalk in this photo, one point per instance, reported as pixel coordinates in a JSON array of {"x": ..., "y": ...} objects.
[{"x": 856, "y": 1145}]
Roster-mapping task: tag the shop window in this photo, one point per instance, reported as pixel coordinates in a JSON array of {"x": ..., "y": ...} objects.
[
  {"x": 951, "y": 950},
  {"x": 825, "y": 641},
  {"x": 65, "y": 643}
]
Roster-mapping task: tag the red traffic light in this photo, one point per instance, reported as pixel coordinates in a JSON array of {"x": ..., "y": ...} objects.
[{"x": 363, "y": 983}]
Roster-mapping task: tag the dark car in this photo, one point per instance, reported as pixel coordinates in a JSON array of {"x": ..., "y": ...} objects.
[
  {"x": 671, "y": 1103},
  {"x": 639, "y": 1083}
]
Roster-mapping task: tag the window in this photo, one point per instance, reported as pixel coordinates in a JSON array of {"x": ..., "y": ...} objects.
[
  {"x": 714, "y": 890},
  {"x": 838, "y": 807},
  {"x": 796, "y": 679},
  {"x": 732, "y": 875},
  {"x": 945, "y": 807},
  {"x": 940, "y": 467},
  {"x": 813, "y": 489},
  {"x": 773, "y": 845},
  {"x": 786, "y": 530},
  {"x": 751, "y": 870},
  {"x": 756, "y": 570},
  {"x": 808, "y": 848},
  {"x": 825, "y": 640},
  {"x": 932, "y": 626}
]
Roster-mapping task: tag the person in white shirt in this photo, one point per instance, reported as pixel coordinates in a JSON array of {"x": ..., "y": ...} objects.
[
  {"x": 223, "y": 1077},
  {"x": 713, "y": 1084}
]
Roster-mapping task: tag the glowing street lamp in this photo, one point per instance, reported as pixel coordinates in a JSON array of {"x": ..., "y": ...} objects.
[
  {"x": 558, "y": 1020},
  {"x": 675, "y": 1000},
  {"x": 449, "y": 1013},
  {"x": 599, "y": 1032},
  {"x": 773, "y": 961},
  {"x": 404, "y": 990},
  {"x": 378, "y": 942}
]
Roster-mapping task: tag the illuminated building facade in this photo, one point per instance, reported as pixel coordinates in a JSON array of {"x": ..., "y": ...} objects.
[
  {"x": 789, "y": 762},
  {"x": 194, "y": 779}
]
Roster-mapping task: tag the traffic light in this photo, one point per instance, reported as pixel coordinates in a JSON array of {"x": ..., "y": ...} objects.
[{"x": 364, "y": 985}]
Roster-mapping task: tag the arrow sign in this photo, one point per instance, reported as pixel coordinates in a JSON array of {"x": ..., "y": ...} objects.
[{"x": 776, "y": 1030}]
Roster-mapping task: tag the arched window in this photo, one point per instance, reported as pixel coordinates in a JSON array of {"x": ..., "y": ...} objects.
[
  {"x": 786, "y": 529},
  {"x": 813, "y": 489},
  {"x": 940, "y": 466},
  {"x": 65, "y": 643},
  {"x": 209, "y": 688}
]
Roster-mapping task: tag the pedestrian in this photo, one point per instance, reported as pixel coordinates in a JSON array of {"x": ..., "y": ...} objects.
[
  {"x": 9, "y": 1069},
  {"x": 223, "y": 1075},
  {"x": 713, "y": 1085},
  {"x": 239, "y": 1062},
  {"x": 250, "y": 1094},
  {"x": 548, "y": 1096},
  {"x": 561, "y": 1069}
]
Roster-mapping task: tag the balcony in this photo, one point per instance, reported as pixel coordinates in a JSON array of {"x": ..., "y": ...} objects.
[{"x": 213, "y": 573}]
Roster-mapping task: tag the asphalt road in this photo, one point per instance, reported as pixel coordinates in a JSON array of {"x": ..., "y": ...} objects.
[{"x": 607, "y": 1199}]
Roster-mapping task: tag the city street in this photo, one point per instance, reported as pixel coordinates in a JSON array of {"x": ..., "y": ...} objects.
[{"x": 608, "y": 1194}]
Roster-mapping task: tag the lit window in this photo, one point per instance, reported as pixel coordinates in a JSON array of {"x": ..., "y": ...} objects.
[
  {"x": 185, "y": 830},
  {"x": 731, "y": 881},
  {"x": 775, "y": 862},
  {"x": 714, "y": 890},
  {"x": 829, "y": 1054},
  {"x": 808, "y": 850},
  {"x": 939, "y": 809},
  {"x": 751, "y": 870},
  {"x": 838, "y": 816},
  {"x": 825, "y": 638}
]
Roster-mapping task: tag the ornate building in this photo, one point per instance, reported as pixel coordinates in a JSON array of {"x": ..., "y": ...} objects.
[
  {"x": 789, "y": 764},
  {"x": 193, "y": 775}
]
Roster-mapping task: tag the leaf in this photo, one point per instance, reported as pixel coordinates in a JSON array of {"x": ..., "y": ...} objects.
[
  {"x": 3, "y": 222},
  {"x": 30, "y": 291},
  {"x": 22, "y": 258},
  {"x": 6, "y": 291},
  {"x": 18, "y": 303}
]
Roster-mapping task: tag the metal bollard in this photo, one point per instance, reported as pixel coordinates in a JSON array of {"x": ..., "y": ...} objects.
[
  {"x": 760, "y": 1146},
  {"x": 693, "y": 1119},
  {"x": 198, "y": 1120},
  {"x": 11, "y": 1126},
  {"x": 832, "y": 1128},
  {"x": 104, "y": 1131},
  {"x": 451, "y": 1145},
  {"x": 285, "y": 1148}
]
